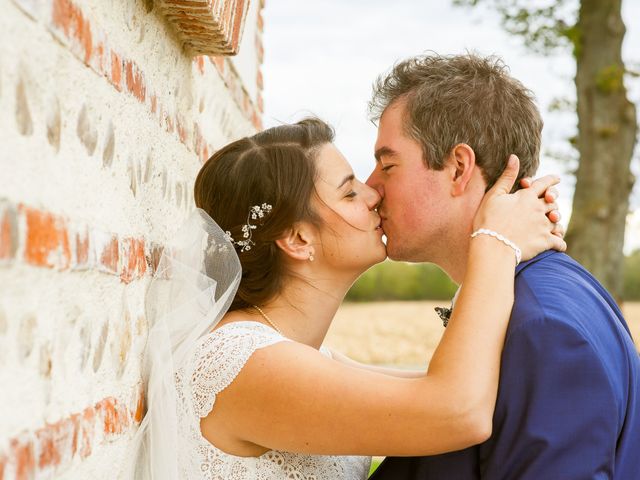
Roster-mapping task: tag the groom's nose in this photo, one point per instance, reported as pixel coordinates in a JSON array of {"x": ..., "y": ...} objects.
[{"x": 375, "y": 181}]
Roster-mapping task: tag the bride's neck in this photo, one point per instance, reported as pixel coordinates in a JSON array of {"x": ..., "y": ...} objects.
[{"x": 305, "y": 309}]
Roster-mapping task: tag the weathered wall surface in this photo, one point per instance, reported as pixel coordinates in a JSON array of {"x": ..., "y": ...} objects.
[{"x": 105, "y": 119}]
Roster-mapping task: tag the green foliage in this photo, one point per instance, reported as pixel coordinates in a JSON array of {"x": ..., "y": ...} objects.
[
  {"x": 631, "y": 290},
  {"x": 574, "y": 35},
  {"x": 402, "y": 281},
  {"x": 543, "y": 28}
]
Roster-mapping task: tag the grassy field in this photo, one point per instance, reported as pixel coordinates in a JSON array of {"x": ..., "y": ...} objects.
[{"x": 405, "y": 333}]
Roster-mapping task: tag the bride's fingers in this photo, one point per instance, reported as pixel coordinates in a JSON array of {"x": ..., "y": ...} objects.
[
  {"x": 554, "y": 216},
  {"x": 557, "y": 243},
  {"x": 526, "y": 182},
  {"x": 541, "y": 185},
  {"x": 558, "y": 230},
  {"x": 550, "y": 207},
  {"x": 551, "y": 195}
]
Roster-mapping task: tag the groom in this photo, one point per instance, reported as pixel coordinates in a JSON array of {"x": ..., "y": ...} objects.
[{"x": 568, "y": 405}]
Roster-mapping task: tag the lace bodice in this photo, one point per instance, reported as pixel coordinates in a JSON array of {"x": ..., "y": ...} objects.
[{"x": 217, "y": 359}]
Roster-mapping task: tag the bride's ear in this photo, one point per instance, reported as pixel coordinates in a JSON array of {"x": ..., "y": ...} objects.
[
  {"x": 297, "y": 241},
  {"x": 463, "y": 162}
]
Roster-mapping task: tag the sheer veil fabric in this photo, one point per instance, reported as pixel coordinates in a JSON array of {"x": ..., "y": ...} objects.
[{"x": 195, "y": 282}]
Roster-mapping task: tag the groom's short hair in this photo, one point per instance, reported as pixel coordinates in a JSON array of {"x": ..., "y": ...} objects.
[{"x": 464, "y": 99}]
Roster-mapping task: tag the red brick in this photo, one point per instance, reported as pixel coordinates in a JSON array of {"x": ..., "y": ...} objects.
[
  {"x": 140, "y": 410},
  {"x": 110, "y": 255},
  {"x": 116, "y": 70},
  {"x": 134, "y": 260},
  {"x": 115, "y": 417},
  {"x": 199, "y": 61},
  {"x": 86, "y": 429},
  {"x": 46, "y": 236},
  {"x": 260, "y": 103},
  {"x": 49, "y": 439},
  {"x": 70, "y": 19},
  {"x": 204, "y": 28},
  {"x": 259, "y": 80},
  {"x": 8, "y": 234},
  {"x": 182, "y": 131},
  {"x": 219, "y": 63},
  {"x": 256, "y": 120},
  {"x": 22, "y": 453},
  {"x": 52, "y": 446},
  {"x": 75, "y": 421},
  {"x": 82, "y": 248},
  {"x": 135, "y": 80},
  {"x": 236, "y": 28}
]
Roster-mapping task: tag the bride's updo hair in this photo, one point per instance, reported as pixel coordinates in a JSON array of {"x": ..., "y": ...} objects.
[{"x": 275, "y": 167}]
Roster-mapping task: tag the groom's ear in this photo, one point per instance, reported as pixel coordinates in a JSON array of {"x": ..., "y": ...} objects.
[
  {"x": 297, "y": 241},
  {"x": 462, "y": 161}
]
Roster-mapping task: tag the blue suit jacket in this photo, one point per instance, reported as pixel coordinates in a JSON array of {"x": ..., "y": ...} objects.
[{"x": 568, "y": 403}]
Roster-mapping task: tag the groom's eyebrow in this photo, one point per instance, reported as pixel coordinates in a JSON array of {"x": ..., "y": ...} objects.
[
  {"x": 383, "y": 152},
  {"x": 346, "y": 179}
]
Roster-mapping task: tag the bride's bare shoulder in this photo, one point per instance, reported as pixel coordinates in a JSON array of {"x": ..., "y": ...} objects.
[{"x": 235, "y": 316}]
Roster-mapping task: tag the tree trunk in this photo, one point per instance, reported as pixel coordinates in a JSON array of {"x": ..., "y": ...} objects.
[{"x": 607, "y": 129}]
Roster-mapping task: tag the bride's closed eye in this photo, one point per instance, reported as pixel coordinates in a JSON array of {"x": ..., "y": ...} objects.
[{"x": 351, "y": 194}]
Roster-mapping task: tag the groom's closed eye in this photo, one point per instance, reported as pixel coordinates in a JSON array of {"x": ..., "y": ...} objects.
[{"x": 383, "y": 152}]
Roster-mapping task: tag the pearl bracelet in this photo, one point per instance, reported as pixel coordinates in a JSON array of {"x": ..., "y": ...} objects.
[{"x": 506, "y": 241}]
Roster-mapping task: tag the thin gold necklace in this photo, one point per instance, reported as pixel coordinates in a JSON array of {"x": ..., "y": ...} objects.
[{"x": 264, "y": 315}]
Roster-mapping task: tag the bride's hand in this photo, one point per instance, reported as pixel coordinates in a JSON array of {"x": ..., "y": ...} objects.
[
  {"x": 550, "y": 196},
  {"x": 521, "y": 216}
]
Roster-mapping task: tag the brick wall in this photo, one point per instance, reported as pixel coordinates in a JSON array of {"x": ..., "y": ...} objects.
[{"x": 106, "y": 115}]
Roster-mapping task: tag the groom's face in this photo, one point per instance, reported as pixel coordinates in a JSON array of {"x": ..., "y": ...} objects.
[{"x": 416, "y": 200}]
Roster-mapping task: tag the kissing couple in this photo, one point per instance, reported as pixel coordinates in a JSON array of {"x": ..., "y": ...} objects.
[{"x": 536, "y": 375}]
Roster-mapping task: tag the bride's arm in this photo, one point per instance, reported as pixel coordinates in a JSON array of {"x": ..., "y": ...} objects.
[
  {"x": 290, "y": 397},
  {"x": 394, "y": 372}
]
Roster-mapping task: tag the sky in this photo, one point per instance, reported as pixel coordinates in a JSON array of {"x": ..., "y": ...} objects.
[{"x": 321, "y": 58}]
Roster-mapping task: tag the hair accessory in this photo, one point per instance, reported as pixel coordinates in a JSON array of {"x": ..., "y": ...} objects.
[
  {"x": 255, "y": 212},
  {"x": 506, "y": 241}
]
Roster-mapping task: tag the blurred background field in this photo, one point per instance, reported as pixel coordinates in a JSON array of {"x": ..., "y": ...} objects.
[
  {"x": 389, "y": 316},
  {"x": 406, "y": 333}
]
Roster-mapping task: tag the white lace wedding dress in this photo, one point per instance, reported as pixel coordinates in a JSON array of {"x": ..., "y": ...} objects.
[{"x": 216, "y": 360}]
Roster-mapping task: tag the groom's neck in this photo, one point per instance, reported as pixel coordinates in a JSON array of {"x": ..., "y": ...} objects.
[
  {"x": 456, "y": 268},
  {"x": 453, "y": 258}
]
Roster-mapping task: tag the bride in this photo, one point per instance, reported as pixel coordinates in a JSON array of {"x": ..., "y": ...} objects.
[{"x": 242, "y": 388}]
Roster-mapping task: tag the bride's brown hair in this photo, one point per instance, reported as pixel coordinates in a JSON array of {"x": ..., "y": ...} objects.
[{"x": 277, "y": 167}]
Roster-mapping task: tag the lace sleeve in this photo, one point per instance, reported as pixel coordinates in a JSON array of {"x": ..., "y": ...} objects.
[{"x": 220, "y": 356}]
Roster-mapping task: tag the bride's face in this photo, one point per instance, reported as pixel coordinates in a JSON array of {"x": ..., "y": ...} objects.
[{"x": 351, "y": 237}]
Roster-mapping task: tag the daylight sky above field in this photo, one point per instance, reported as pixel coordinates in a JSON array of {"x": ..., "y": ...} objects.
[{"x": 321, "y": 58}]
